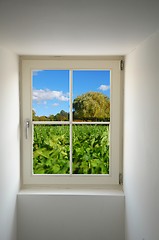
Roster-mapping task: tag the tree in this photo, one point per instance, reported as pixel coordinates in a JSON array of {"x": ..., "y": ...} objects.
[
  {"x": 34, "y": 117},
  {"x": 42, "y": 118},
  {"x": 62, "y": 116},
  {"x": 51, "y": 117},
  {"x": 93, "y": 106}
]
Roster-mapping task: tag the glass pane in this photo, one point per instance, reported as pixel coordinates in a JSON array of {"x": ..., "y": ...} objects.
[
  {"x": 51, "y": 149},
  {"x": 91, "y": 95},
  {"x": 90, "y": 149},
  {"x": 50, "y": 95}
]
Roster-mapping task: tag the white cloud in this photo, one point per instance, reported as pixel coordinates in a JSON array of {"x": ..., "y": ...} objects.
[
  {"x": 104, "y": 87},
  {"x": 55, "y": 104},
  {"x": 43, "y": 95}
]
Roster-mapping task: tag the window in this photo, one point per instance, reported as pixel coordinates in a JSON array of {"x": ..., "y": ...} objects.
[{"x": 70, "y": 115}]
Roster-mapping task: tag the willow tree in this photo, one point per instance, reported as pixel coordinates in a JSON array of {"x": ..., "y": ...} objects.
[{"x": 93, "y": 106}]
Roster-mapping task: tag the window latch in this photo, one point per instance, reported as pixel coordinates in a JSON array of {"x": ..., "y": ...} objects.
[{"x": 27, "y": 124}]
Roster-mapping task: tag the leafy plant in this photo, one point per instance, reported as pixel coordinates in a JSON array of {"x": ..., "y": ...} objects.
[{"x": 51, "y": 149}]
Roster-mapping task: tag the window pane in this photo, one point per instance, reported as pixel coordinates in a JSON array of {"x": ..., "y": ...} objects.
[
  {"x": 91, "y": 95},
  {"x": 51, "y": 149},
  {"x": 50, "y": 94},
  {"x": 90, "y": 149}
]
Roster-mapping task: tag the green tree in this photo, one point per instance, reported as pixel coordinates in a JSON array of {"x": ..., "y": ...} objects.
[
  {"x": 33, "y": 114},
  {"x": 51, "y": 117},
  {"x": 62, "y": 116},
  {"x": 93, "y": 106},
  {"x": 34, "y": 117},
  {"x": 43, "y": 118}
]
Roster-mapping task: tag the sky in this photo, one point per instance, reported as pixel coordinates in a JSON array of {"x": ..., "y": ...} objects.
[{"x": 51, "y": 88}]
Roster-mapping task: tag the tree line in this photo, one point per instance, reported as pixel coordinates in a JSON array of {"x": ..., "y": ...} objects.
[{"x": 91, "y": 106}]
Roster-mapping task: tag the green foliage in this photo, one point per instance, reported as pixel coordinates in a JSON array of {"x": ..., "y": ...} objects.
[
  {"x": 93, "y": 106},
  {"x": 61, "y": 116},
  {"x": 51, "y": 149},
  {"x": 90, "y": 149}
]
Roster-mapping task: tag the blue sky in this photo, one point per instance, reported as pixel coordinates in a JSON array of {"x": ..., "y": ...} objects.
[{"x": 50, "y": 88}]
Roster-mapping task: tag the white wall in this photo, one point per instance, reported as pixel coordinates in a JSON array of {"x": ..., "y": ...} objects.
[
  {"x": 72, "y": 217},
  {"x": 9, "y": 143},
  {"x": 141, "y": 141}
]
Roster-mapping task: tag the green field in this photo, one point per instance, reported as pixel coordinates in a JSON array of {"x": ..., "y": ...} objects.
[{"x": 51, "y": 149}]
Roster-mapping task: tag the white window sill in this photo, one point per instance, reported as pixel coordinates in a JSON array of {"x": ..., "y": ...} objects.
[{"x": 79, "y": 191}]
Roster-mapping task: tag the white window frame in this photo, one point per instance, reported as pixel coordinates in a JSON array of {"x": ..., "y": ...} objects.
[{"x": 27, "y": 65}]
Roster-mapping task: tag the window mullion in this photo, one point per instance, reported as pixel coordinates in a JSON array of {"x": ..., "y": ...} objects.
[{"x": 71, "y": 119}]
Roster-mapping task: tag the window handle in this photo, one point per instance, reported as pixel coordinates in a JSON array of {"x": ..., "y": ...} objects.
[{"x": 27, "y": 124}]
